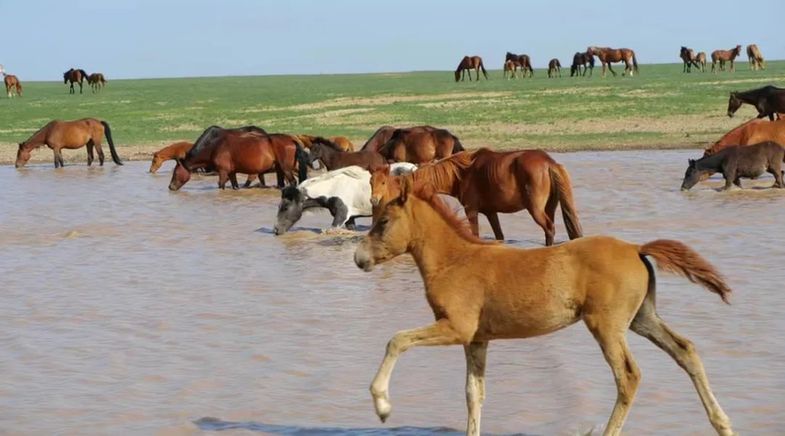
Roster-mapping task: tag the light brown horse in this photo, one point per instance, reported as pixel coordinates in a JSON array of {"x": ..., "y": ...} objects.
[
  {"x": 700, "y": 60},
  {"x": 722, "y": 56},
  {"x": 420, "y": 144},
  {"x": 754, "y": 131},
  {"x": 608, "y": 55},
  {"x": 490, "y": 182},
  {"x": 481, "y": 291},
  {"x": 96, "y": 81},
  {"x": 173, "y": 151},
  {"x": 510, "y": 69},
  {"x": 755, "y": 58},
  {"x": 469, "y": 63},
  {"x": 341, "y": 141},
  {"x": 554, "y": 68},
  {"x": 12, "y": 85},
  {"x": 58, "y": 135},
  {"x": 74, "y": 76},
  {"x": 379, "y": 138}
]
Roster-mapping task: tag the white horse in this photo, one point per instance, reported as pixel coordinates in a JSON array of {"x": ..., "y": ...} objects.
[{"x": 345, "y": 192}]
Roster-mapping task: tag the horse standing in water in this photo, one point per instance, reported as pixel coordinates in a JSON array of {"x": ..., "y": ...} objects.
[
  {"x": 174, "y": 151},
  {"x": 490, "y": 182},
  {"x": 738, "y": 161},
  {"x": 755, "y": 58},
  {"x": 58, "y": 135},
  {"x": 480, "y": 291},
  {"x": 722, "y": 56},
  {"x": 12, "y": 85},
  {"x": 330, "y": 154},
  {"x": 768, "y": 100},
  {"x": 96, "y": 81},
  {"x": 469, "y": 63},
  {"x": 74, "y": 76},
  {"x": 581, "y": 59},
  {"x": 608, "y": 55},
  {"x": 420, "y": 144},
  {"x": 341, "y": 141}
]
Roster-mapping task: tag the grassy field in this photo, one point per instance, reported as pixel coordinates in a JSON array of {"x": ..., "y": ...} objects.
[{"x": 661, "y": 108}]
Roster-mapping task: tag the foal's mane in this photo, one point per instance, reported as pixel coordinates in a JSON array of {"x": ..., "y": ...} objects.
[
  {"x": 427, "y": 192},
  {"x": 446, "y": 171}
]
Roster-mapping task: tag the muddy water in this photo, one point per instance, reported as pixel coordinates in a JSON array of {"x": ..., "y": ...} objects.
[{"x": 127, "y": 309}]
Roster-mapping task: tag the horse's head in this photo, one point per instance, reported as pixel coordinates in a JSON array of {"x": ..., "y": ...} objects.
[
  {"x": 380, "y": 177},
  {"x": 22, "y": 155},
  {"x": 458, "y": 74},
  {"x": 180, "y": 176},
  {"x": 315, "y": 154},
  {"x": 737, "y": 50},
  {"x": 290, "y": 210},
  {"x": 734, "y": 103},
  {"x": 692, "y": 176},
  {"x": 156, "y": 163}
]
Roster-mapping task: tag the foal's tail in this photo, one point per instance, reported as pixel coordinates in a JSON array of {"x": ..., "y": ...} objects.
[
  {"x": 677, "y": 258},
  {"x": 563, "y": 188},
  {"x": 302, "y": 160},
  {"x": 482, "y": 67},
  {"x": 108, "y": 133}
]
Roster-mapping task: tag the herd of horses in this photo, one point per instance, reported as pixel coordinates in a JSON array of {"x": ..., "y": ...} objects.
[
  {"x": 78, "y": 76},
  {"x": 719, "y": 58}
]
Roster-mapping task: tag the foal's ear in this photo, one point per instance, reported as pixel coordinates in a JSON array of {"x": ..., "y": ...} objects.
[{"x": 407, "y": 186}]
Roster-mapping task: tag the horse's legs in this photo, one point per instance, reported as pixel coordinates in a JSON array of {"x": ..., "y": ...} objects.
[
  {"x": 471, "y": 216},
  {"x": 650, "y": 326},
  {"x": 475, "y": 384},
  {"x": 350, "y": 224},
  {"x": 338, "y": 210},
  {"x": 54, "y": 154},
  {"x": 438, "y": 333},
  {"x": 537, "y": 212},
  {"x": 610, "y": 67},
  {"x": 90, "y": 155},
  {"x": 100, "y": 151},
  {"x": 223, "y": 177},
  {"x": 233, "y": 180},
  {"x": 493, "y": 219},
  {"x": 776, "y": 171}
]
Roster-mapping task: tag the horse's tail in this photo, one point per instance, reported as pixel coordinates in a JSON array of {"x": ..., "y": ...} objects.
[
  {"x": 635, "y": 63},
  {"x": 563, "y": 187},
  {"x": 84, "y": 75},
  {"x": 302, "y": 160},
  {"x": 456, "y": 145},
  {"x": 677, "y": 258},
  {"x": 108, "y": 133},
  {"x": 482, "y": 67}
]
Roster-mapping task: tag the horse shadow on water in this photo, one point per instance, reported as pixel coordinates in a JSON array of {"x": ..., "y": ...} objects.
[{"x": 215, "y": 424}]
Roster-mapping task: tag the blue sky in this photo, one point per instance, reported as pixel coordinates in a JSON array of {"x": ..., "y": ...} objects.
[{"x": 132, "y": 39}]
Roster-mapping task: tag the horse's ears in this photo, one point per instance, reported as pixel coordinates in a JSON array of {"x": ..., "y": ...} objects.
[
  {"x": 691, "y": 162},
  {"x": 407, "y": 186}
]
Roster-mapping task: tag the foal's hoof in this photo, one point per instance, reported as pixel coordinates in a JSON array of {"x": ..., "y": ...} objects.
[{"x": 383, "y": 407}]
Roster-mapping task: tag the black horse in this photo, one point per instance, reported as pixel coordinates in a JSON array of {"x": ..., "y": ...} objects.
[
  {"x": 769, "y": 101},
  {"x": 580, "y": 59},
  {"x": 749, "y": 161}
]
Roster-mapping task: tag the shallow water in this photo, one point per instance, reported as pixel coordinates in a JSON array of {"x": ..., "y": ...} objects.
[{"x": 128, "y": 309}]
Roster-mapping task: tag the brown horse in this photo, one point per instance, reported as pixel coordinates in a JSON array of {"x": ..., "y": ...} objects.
[
  {"x": 96, "y": 81},
  {"x": 12, "y": 85},
  {"x": 490, "y": 182},
  {"x": 723, "y": 56},
  {"x": 58, "y": 135},
  {"x": 379, "y": 138},
  {"x": 341, "y": 141},
  {"x": 509, "y": 69},
  {"x": 74, "y": 76},
  {"x": 751, "y": 132},
  {"x": 420, "y": 145},
  {"x": 755, "y": 57},
  {"x": 554, "y": 68},
  {"x": 480, "y": 291},
  {"x": 581, "y": 59},
  {"x": 333, "y": 158},
  {"x": 700, "y": 61},
  {"x": 608, "y": 55},
  {"x": 523, "y": 61},
  {"x": 689, "y": 58},
  {"x": 247, "y": 150},
  {"x": 470, "y": 63},
  {"x": 173, "y": 151}
]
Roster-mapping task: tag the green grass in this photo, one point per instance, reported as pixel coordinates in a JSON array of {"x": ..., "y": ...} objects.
[{"x": 660, "y": 108}]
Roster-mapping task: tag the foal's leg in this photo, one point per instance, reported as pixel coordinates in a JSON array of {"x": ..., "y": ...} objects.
[
  {"x": 471, "y": 216},
  {"x": 649, "y": 325},
  {"x": 493, "y": 219},
  {"x": 475, "y": 384},
  {"x": 438, "y": 333}
]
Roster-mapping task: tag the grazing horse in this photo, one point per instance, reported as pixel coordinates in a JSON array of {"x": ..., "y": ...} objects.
[
  {"x": 58, "y": 135},
  {"x": 379, "y": 138},
  {"x": 345, "y": 192},
  {"x": 247, "y": 150},
  {"x": 96, "y": 81},
  {"x": 768, "y": 100},
  {"x": 419, "y": 145},
  {"x": 490, "y": 182},
  {"x": 554, "y": 68},
  {"x": 480, "y": 291},
  {"x": 689, "y": 58},
  {"x": 333, "y": 158},
  {"x": 469, "y": 63},
  {"x": 341, "y": 141},
  {"x": 12, "y": 85},
  {"x": 700, "y": 60},
  {"x": 608, "y": 55},
  {"x": 755, "y": 57},
  {"x": 723, "y": 56},
  {"x": 737, "y": 161},
  {"x": 509, "y": 69},
  {"x": 581, "y": 59},
  {"x": 74, "y": 76},
  {"x": 523, "y": 61}
]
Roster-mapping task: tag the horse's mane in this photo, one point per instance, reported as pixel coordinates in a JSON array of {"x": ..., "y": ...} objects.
[
  {"x": 446, "y": 171},
  {"x": 46, "y": 127},
  {"x": 326, "y": 142},
  {"x": 427, "y": 192}
]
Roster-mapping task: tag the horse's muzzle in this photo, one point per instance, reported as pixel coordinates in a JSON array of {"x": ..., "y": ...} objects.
[
  {"x": 375, "y": 201},
  {"x": 362, "y": 258},
  {"x": 730, "y": 114}
]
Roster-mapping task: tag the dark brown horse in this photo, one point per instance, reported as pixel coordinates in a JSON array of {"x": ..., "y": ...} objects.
[
  {"x": 246, "y": 150},
  {"x": 607, "y": 56},
  {"x": 523, "y": 61},
  {"x": 581, "y": 59},
  {"x": 768, "y": 100},
  {"x": 490, "y": 182},
  {"x": 74, "y": 76},
  {"x": 420, "y": 145},
  {"x": 12, "y": 85},
  {"x": 554, "y": 68},
  {"x": 58, "y": 135},
  {"x": 96, "y": 81},
  {"x": 755, "y": 58},
  {"x": 689, "y": 58},
  {"x": 723, "y": 56},
  {"x": 333, "y": 158},
  {"x": 469, "y": 63},
  {"x": 735, "y": 162},
  {"x": 379, "y": 138},
  {"x": 341, "y": 141}
]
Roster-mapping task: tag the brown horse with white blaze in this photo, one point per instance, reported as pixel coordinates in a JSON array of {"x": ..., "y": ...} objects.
[
  {"x": 480, "y": 291},
  {"x": 608, "y": 56},
  {"x": 420, "y": 144},
  {"x": 722, "y": 56},
  {"x": 469, "y": 63},
  {"x": 74, "y": 76},
  {"x": 58, "y": 135}
]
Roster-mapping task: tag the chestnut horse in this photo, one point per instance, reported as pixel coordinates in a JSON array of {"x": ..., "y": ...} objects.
[
  {"x": 341, "y": 141},
  {"x": 470, "y": 63},
  {"x": 700, "y": 60},
  {"x": 333, "y": 158},
  {"x": 723, "y": 56},
  {"x": 768, "y": 100},
  {"x": 420, "y": 145},
  {"x": 755, "y": 57},
  {"x": 490, "y": 182},
  {"x": 74, "y": 76},
  {"x": 480, "y": 291},
  {"x": 247, "y": 150},
  {"x": 751, "y": 132},
  {"x": 581, "y": 59},
  {"x": 689, "y": 58},
  {"x": 523, "y": 61},
  {"x": 58, "y": 135},
  {"x": 173, "y": 151},
  {"x": 12, "y": 85},
  {"x": 608, "y": 55},
  {"x": 379, "y": 138},
  {"x": 96, "y": 81},
  {"x": 509, "y": 69}
]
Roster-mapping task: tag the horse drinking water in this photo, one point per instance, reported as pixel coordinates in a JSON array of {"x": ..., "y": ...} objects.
[
  {"x": 58, "y": 135},
  {"x": 749, "y": 161}
]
